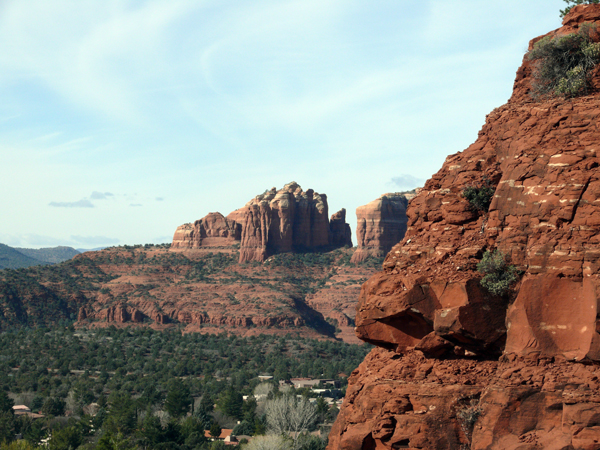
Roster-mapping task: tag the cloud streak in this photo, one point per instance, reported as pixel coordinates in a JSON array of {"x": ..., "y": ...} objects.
[
  {"x": 101, "y": 195},
  {"x": 94, "y": 240},
  {"x": 205, "y": 103},
  {"x": 83, "y": 203},
  {"x": 407, "y": 181}
]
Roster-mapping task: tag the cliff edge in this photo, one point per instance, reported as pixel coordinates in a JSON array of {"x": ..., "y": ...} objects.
[{"x": 457, "y": 366}]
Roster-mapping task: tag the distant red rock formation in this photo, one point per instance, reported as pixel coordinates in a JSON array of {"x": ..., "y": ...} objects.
[
  {"x": 212, "y": 230},
  {"x": 459, "y": 367},
  {"x": 276, "y": 221},
  {"x": 381, "y": 224},
  {"x": 340, "y": 234},
  {"x": 280, "y": 221}
]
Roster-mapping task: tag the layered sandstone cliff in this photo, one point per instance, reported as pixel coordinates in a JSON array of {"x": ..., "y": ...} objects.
[
  {"x": 277, "y": 221},
  {"x": 340, "y": 234},
  {"x": 204, "y": 291},
  {"x": 211, "y": 230},
  {"x": 458, "y": 367},
  {"x": 381, "y": 224},
  {"x": 280, "y": 221}
]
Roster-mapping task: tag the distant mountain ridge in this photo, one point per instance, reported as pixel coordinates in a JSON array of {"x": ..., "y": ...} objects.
[
  {"x": 51, "y": 254},
  {"x": 11, "y": 258},
  {"x": 15, "y": 258}
]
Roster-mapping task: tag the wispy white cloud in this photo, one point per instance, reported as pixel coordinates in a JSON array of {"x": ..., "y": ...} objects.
[
  {"x": 407, "y": 181},
  {"x": 95, "y": 58},
  {"x": 206, "y": 102},
  {"x": 83, "y": 203},
  {"x": 101, "y": 195}
]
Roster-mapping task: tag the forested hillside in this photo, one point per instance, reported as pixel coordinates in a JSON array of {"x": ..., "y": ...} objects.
[{"x": 122, "y": 383}]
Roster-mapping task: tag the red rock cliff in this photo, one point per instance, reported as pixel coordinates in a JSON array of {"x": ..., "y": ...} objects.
[
  {"x": 211, "y": 230},
  {"x": 273, "y": 222},
  {"x": 380, "y": 225},
  {"x": 340, "y": 234},
  {"x": 458, "y": 367},
  {"x": 280, "y": 221}
]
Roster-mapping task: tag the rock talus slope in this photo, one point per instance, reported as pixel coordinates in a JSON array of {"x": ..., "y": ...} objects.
[{"x": 458, "y": 367}]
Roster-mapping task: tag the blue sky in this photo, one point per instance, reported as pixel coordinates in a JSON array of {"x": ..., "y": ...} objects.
[{"x": 121, "y": 120}]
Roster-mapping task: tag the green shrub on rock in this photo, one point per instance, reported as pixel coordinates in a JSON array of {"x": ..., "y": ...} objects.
[
  {"x": 499, "y": 275},
  {"x": 480, "y": 197},
  {"x": 563, "y": 64}
]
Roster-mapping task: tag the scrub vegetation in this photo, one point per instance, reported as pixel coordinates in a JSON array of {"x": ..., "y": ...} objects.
[
  {"x": 139, "y": 388},
  {"x": 563, "y": 64},
  {"x": 498, "y": 274}
]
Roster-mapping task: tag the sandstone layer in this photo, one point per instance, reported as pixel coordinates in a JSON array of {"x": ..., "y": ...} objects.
[
  {"x": 541, "y": 159},
  {"x": 340, "y": 234},
  {"x": 210, "y": 231},
  {"x": 381, "y": 224}
]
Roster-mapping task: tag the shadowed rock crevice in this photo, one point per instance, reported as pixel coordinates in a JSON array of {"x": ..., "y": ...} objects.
[{"x": 313, "y": 319}]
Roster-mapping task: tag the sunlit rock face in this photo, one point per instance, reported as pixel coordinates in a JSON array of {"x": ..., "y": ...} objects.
[
  {"x": 285, "y": 220},
  {"x": 457, "y": 367},
  {"x": 277, "y": 221},
  {"x": 211, "y": 230}
]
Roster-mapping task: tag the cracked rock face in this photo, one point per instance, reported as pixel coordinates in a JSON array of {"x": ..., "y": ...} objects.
[
  {"x": 409, "y": 401},
  {"x": 541, "y": 160}
]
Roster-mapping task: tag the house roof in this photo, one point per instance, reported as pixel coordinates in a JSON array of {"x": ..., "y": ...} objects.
[
  {"x": 21, "y": 408},
  {"x": 224, "y": 433}
]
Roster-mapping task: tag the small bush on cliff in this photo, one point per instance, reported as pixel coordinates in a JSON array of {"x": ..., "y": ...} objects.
[
  {"x": 571, "y": 3},
  {"x": 480, "y": 197},
  {"x": 499, "y": 275},
  {"x": 468, "y": 416},
  {"x": 563, "y": 64}
]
